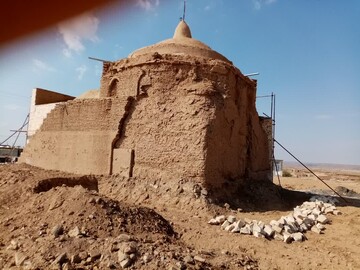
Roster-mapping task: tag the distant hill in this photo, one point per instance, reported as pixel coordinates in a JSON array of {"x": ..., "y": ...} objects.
[{"x": 329, "y": 166}]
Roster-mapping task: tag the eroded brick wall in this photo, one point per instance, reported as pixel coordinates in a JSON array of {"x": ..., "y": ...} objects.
[
  {"x": 159, "y": 117},
  {"x": 77, "y": 136}
]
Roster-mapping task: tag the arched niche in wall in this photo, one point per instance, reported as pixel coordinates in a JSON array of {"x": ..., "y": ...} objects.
[{"x": 114, "y": 87}]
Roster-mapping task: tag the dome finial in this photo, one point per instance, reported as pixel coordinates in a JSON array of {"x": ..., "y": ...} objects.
[{"x": 182, "y": 30}]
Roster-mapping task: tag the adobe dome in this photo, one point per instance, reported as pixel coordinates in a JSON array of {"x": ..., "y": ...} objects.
[{"x": 182, "y": 43}]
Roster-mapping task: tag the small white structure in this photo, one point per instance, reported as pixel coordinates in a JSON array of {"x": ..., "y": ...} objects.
[
  {"x": 42, "y": 102},
  {"x": 277, "y": 167}
]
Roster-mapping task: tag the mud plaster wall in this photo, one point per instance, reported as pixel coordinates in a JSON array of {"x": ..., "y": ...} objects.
[
  {"x": 77, "y": 136},
  {"x": 191, "y": 118},
  {"x": 159, "y": 117},
  {"x": 42, "y": 102},
  {"x": 266, "y": 124}
]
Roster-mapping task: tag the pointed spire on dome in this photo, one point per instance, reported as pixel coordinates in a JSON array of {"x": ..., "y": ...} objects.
[{"x": 182, "y": 30}]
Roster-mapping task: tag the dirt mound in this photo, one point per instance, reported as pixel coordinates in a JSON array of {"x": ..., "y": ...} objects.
[
  {"x": 72, "y": 220},
  {"x": 54, "y": 220}
]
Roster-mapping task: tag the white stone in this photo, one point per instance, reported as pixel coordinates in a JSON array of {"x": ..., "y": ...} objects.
[
  {"x": 288, "y": 229},
  {"x": 315, "y": 229},
  {"x": 303, "y": 227},
  {"x": 306, "y": 212},
  {"x": 276, "y": 228},
  {"x": 337, "y": 212},
  {"x": 329, "y": 210},
  {"x": 246, "y": 229},
  {"x": 320, "y": 226},
  {"x": 298, "y": 221},
  {"x": 274, "y": 223},
  {"x": 282, "y": 221},
  {"x": 256, "y": 228},
  {"x": 247, "y": 221},
  {"x": 322, "y": 219},
  {"x": 319, "y": 203},
  {"x": 310, "y": 205},
  {"x": 229, "y": 227},
  {"x": 225, "y": 224},
  {"x": 316, "y": 212},
  {"x": 269, "y": 231},
  {"x": 258, "y": 234},
  {"x": 213, "y": 221},
  {"x": 231, "y": 219},
  {"x": 220, "y": 219},
  {"x": 238, "y": 225},
  {"x": 289, "y": 219},
  {"x": 298, "y": 214},
  {"x": 298, "y": 237},
  {"x": 278, "y": 237},
  {"x": 261, "y": 224}
]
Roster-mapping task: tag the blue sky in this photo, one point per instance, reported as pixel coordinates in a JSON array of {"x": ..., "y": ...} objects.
[{"x": 307, "y": 53}]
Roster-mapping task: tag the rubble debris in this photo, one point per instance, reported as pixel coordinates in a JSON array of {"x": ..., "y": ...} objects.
[{"x": 311, "y": 215}]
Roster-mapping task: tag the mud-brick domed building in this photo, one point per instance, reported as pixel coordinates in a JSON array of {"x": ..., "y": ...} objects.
[{"x": 176, "y": 109}]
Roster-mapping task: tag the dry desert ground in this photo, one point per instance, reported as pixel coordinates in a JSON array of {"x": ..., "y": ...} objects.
[{"x": 54, "y": 220}]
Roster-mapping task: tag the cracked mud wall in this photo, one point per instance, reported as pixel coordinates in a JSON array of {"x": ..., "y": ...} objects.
[
  {"x": 236, "y": 146},
  {"x": 76, "y": 137},
  {"x": 166, "y": 126},
  {"x": 167, "y": 117},
  {"x": 191, "y": 118}
]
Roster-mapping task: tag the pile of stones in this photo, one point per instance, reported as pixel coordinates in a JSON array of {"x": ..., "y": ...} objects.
[{"x": 310, "y": 216}]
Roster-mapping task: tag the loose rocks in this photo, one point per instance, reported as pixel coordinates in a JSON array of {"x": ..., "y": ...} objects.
[{"x": 311, "y": 215}]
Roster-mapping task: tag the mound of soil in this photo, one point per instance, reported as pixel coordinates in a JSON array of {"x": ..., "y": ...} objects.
[{"x": 55, "y": 220}]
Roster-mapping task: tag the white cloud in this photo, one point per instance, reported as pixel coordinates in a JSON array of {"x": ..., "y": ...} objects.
[
  {"x": 259, "y": 3},
  {"x": 81, "y": 71},
  {"x": 76, "y": 31},
  {"x": 147, "y": 4},
  {"x": 42, "y": 66}
]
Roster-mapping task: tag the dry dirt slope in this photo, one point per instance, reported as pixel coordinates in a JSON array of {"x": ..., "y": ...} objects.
[{"x": 50, "y": 219}]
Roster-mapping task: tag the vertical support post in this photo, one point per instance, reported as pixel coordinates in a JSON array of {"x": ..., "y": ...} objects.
[{"x": 183, "y": 18}]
